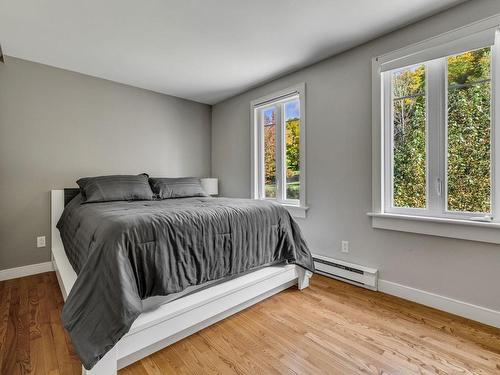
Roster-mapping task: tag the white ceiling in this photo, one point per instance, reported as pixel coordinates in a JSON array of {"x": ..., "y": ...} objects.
[{"x": 204, "y": 50}]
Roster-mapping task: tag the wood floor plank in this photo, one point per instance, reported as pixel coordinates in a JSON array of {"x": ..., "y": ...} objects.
[
  {"x": 9, "y": 349},
  {"x": 329, "y": 328},
  {"x": 382, "y": 336},
  {"x": 5, "y": 305}
]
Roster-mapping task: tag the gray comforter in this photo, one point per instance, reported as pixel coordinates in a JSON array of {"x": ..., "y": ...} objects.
[{"x": 124, "y": 252}]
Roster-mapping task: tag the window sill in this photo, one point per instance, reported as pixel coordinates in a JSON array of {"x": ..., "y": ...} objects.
[
  {"x": 296, "y": 211},
  {"x": 433, "y": 226}
]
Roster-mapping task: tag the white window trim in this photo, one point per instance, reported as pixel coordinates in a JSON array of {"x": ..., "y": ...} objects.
[
  {"x": 408, "y": 221},
  {"x": 297, "y": 209}
]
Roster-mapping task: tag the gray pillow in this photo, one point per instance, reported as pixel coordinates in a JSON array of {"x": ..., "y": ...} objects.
[
  {"x": 183, "y": 187},
  {"x": 115, "y": 188}
]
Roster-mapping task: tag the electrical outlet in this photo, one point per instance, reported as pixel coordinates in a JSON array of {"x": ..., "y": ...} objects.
[
  {"x": 344, "y": 246},
  {"x": 40, "y": 241}
]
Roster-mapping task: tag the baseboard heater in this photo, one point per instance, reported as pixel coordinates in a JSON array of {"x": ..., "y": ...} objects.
[{"x": 350, "y": 273}]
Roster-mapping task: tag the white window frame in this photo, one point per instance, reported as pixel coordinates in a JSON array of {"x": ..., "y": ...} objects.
[
  {"x": 436, "y": 219},
  {"x": 436, "y": 95},
  {"x": 297, "y": 208}
]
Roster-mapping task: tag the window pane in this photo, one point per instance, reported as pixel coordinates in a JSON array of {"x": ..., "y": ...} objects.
[
  {"x": 469, "y": 130},
  {"x": 409, "y": 137},
  {"x": 269, "y": 119},
  {"x": 469, "y": 67},
  {"x": 292, "y": 143},
  {"x": 408, "y": 81}
]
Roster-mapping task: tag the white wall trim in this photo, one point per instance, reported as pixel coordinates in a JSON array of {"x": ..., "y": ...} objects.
[
  {"x": 32, "y": 269},
  {"x": 441, "y": 39},
  {"x": 296, "y": 211},
  {"x": 438, "y": 226},
  {"x": 453, "y": 306}
]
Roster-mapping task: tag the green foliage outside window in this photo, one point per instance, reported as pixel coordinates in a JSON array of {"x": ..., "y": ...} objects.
[
  {"x": 469, "y": 124},
  {"x": 270, "y": 160},
  {"x": 292, "y": 139},
  {"x": 409, "y": 139}
]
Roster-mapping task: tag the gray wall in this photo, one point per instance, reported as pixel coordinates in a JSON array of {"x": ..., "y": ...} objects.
[
  {"x": 339, "y": 170},
  {"x": 56, "y": 126}
]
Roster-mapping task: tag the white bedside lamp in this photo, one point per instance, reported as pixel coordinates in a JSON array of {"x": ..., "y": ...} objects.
[{"x": 210, "y": 185}]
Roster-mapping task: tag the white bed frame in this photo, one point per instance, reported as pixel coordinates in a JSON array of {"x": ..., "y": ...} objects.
[{"x": 154, "y": 330}]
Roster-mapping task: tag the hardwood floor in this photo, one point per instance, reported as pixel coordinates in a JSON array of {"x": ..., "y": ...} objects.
[{"x": 329, "y": 328}]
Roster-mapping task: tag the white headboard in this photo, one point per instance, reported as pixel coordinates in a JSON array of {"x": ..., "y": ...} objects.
[
  {"x": 64, "y": 271},
  {"x": 56, "y": 210}
]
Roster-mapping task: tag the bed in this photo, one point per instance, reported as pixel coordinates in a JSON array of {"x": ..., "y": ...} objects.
[{"x": 164, "y": 320}]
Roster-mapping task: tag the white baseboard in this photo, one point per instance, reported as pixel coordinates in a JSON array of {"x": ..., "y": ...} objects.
[
  {"x": 32, "y": 269},
  {"x": 453, "y": 306}
]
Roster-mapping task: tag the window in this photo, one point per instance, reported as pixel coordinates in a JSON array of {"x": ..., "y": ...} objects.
[
  {"x": 449, "y": 96},
  {"x": 434, "y": 130},
  {"x": 278, "y": 168},
  {"x": 438, "y": 127}
]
